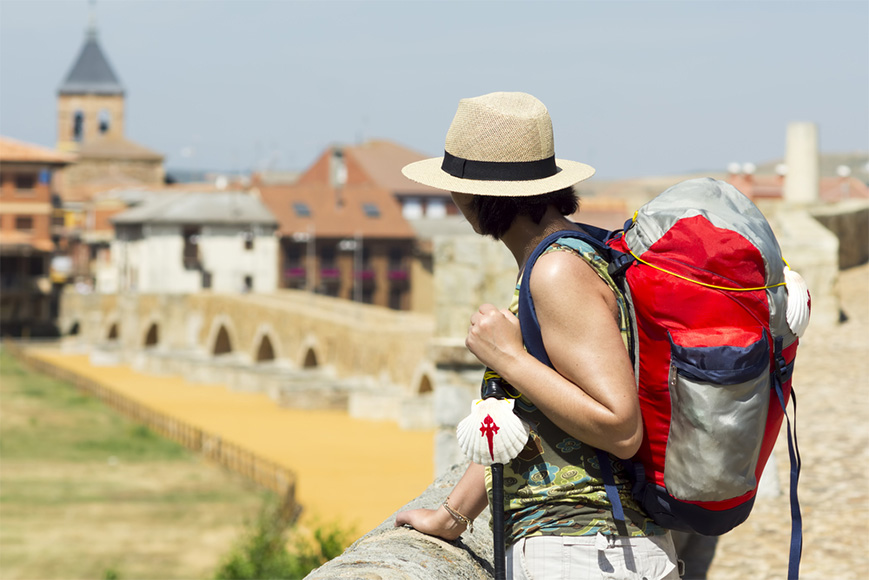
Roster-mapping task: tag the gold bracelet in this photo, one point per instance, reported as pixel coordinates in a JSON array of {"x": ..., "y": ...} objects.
[{"x": 458, "y": 517}]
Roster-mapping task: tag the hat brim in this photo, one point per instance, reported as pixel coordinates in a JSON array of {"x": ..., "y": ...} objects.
[{"x": 429, "y": 172}]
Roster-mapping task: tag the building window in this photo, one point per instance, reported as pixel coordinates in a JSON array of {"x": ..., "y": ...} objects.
[
  {"x": 248, "y": 284},
  {"x": 25, "y": 182},
  {"x": 396, "y": 258},
  {"x": 105, "y": 120},
  {"x": 248, "y": 240},
  {"x": 371, "y": 210},
  {"x": 78, "y": 126},
  {"x": 295, "y": 269},
  {"x": 436, "y": 208},
  {"x": 301, "y": 208},
  {"x": 412, "y": 209},
  {"x": 37, "y": 266},
  {"x": 294, "y": 256},
  {"x": 395, "y": 298},
  {"x": 191, "y": 249},
  {"x": 24, "y": 223},
  {"x": 327, "y": 258},
  {"x": 58, "y": 218}
]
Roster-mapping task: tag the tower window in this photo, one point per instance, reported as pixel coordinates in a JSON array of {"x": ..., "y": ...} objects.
[
  {"x": 105, "y": 120},
  {"x": 78, "y": 126}
]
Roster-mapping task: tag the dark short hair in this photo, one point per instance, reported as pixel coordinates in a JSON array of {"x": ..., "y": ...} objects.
[{"x": 495, "y": 214}]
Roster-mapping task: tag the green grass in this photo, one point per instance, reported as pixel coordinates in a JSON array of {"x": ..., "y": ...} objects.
[
  {"x": 87, "y": 493},
  {"x": 45, "y": 418}
]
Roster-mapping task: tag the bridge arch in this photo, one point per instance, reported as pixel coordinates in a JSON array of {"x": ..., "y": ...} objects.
[
  {"x": 265, "y": 352},
  {"x": 222, "y": 343},
  {"x": 266, "y": 345},
  {"x": 113, "y": 333},
  {"x": 74, "y": 328},
  {"x": 311, "y": 353},
  {"x": 152, "y": 336},
  {"x": 423, "y": 379},
  {"x": 222, "y": 337},
  {"x": 424, "y": 386}
]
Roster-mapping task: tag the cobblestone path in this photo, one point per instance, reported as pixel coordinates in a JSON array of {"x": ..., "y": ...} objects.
[{"x": 831, "y": 380}]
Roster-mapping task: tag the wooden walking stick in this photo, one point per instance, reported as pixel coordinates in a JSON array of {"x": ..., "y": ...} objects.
[{"x": 493, "y": 435}]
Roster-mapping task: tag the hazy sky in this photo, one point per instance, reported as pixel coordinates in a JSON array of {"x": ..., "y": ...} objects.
[{"x": 634, "y": 88}]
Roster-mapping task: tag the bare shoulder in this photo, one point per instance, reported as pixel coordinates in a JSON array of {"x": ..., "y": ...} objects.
[
  {"x": 559, "y": 269},
  {"x": 564, "y": 277}
]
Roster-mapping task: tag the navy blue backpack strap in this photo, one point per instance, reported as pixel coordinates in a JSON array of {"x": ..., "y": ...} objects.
[
  {"x": 593, "y": 236},
  {"x": 780, "y": 375},
  {"x": 596, "y": 238}
]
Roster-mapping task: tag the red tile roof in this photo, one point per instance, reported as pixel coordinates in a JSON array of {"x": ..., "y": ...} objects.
[
  {"x": 331, "y": 219},
  {"x": 830, "y": 189},
  {"x": 19, "y": 151},
  {"x": 383, "y": 160},
  {"x": 378, "y": 163}
]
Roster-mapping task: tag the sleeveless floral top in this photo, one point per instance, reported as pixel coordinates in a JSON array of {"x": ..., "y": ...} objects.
[{"x": 555, "y": 486}]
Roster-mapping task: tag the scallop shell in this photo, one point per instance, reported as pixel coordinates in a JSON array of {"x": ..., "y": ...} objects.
[
  {"x": 492, "y": 433},
  {"x": 799, "y": 302}
]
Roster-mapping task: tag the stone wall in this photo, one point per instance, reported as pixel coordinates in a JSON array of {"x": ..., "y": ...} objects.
[
  {"x": 390, "y": 553},
  {"x": 812, "y": 250},
  {"x": 148, "y": 172},
  {"x": 849, "y": 221},
  {"x": 376, "y": 357}
]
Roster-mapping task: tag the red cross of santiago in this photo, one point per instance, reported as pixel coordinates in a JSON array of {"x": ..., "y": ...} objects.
[{"x": 488, "y": 429}]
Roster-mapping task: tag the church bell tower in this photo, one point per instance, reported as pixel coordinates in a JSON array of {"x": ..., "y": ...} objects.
[{"x": 90, "y": 101}]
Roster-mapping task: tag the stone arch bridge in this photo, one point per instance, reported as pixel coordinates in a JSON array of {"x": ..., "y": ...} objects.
[{"x": 304, "y": 350}]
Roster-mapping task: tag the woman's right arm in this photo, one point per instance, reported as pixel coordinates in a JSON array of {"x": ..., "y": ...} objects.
[{"x": 467, "y": 498}]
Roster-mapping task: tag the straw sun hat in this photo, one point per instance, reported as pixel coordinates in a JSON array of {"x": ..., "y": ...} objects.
[{"x": 499, "y": 144}]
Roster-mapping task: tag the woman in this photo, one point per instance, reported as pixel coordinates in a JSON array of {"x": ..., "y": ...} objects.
[{"x": 500, "y": 167}]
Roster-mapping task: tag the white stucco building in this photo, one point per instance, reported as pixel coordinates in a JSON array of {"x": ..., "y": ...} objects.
[{"x": 185, "y": 242}]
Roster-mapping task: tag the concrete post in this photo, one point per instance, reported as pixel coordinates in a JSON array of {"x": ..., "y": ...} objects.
[{"x": 801, "y": 158}]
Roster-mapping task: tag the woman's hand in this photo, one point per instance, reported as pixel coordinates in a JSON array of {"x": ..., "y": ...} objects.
[
  {"x": 432, "y": 522},
  {"x": 467, "y": 498},
  {"x": 495, "y": 337}
]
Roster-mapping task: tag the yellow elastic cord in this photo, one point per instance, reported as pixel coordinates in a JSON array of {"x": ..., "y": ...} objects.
[
  {"x": 638, "y": 259},
  {"x": 490, "y": 374}
]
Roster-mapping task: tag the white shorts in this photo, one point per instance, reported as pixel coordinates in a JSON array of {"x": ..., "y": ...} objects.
[{"x": 592, "y": 558}]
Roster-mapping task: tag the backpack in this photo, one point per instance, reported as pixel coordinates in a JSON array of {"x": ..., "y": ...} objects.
[{"x": 713, "y": 352}]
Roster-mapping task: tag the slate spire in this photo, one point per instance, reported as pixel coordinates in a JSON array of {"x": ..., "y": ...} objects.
[{"x": 91, "y": 74}]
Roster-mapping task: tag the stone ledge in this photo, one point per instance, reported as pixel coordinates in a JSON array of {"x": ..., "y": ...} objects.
[{"x": 390, "y": 553}]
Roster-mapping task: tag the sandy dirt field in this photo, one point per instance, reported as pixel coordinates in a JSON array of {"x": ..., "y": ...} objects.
[{"x": 350, "y": 471}]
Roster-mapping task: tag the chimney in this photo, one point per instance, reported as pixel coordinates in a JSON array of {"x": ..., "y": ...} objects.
[
  {"x": 801, "y": 157},
  {"x": 338, "y": 174}
]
